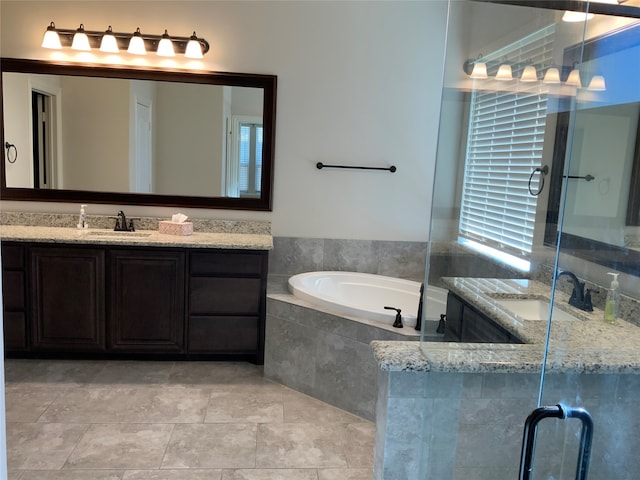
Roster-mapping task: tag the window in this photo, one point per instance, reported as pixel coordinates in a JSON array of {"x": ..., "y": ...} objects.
[
  {"x": 250, "y": 159},
  {"x": 504, "y": 145}
]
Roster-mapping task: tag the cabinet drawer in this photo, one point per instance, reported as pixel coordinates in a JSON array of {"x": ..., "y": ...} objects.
[
  {"x": 13, "y": 290},
  {"x": 223, "y": 334},
  {"x": 220, "y": 296},
  {"x": 12, "y": 256},
  {"x": 207, "y": 263}
]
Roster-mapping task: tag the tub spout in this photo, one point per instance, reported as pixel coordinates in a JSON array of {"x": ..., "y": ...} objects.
[{"x": 398, "y": 322}]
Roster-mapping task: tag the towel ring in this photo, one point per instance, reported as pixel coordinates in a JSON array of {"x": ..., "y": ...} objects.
[
  {"x": 543, "y": 171},
  {"x": 10, "y": 146}
]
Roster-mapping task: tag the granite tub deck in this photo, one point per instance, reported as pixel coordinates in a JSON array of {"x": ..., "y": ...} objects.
[{"x": 457, "y": 410}]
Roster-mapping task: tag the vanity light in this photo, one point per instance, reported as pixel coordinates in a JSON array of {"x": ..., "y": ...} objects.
[
  {"x": 80, "y": 40},
  {"x": 597, "y": 84},
  {"x": 529, "y": 74},
  {"x": 552, "y": 76},
  {"x": 479, "y": 70},
  {"x": 109, "y": 43},
  {"x": 135, "y": 43},
  {"x": 194, "y": 49},
  {"x": 165, "y": 47},
  {"x": 504, "y": 72},
  {"x": 51, "y": 38},
  {"x": 574, "y": 79}
]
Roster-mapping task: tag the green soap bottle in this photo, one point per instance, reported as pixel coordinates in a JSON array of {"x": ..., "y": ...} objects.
[{"x": 613, "y": 297}]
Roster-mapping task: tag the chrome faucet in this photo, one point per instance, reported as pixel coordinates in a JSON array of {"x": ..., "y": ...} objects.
[
  {"x": 121, "y": 223},
  {"x": 579, "y": 298}
]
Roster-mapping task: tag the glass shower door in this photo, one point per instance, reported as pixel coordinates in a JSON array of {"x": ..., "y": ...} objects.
[{"x": 536, "y": 176}]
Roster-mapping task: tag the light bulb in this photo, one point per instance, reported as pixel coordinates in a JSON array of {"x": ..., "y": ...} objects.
[
  {"x": 109, "y": 43},
  {"x": 80, "y": 40},
  {"x": 552, "y": 76},
  {"x": 194, "y": 49},
  {"x": 574, "y": 79},
  {"x": 597, "y": 84},
  {"x": 529, "y": 74},
  {"x": 165, "y": 47},
  {"x": 479, "y": 70},
  {"x": 136, "y": 44},
  {"x": 51, "y": 39},
  {"x": 504, "y": 72}
]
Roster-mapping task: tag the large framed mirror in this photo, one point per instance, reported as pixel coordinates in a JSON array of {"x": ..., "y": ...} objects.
[
  {"x": 601, "y": 135},
  {"x": 137, "y": 136}
]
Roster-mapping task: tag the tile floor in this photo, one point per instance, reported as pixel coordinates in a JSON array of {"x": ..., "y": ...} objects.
[{"x": 108, "y": 420}]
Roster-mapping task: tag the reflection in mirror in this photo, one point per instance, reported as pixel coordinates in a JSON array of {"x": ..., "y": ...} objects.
[
  {"x": 142, "y": 137},
  {"x": 599, "y": 140}
]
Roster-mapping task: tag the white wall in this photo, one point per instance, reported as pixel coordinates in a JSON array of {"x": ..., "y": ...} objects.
[{"x": 358, "y": 83}]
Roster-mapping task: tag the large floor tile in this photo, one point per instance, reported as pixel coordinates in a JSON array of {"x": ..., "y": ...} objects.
[
  {"x": 359, "y": 444},
  {"x": 59, "y": 372},
  {"x": 212, "y": 446},
  {"x": 190, "y": 474},
  {"x": 141, "y": 404},
  {"x": 26, "y": 403},
  {"x": 215, "y": 373},
  {"x": 69, "y": 475},
  {"x": 345, "y": 474},
  {"x": 246, "y": 403},
  {"x": 120, "y": 446},
  {"x": 134, "y": 373},
  {"x": 32, "y": 446},
  {"x": 271, "y": 474},
  {"x": 300, "y": 408},
  {"x": 298, "y": 445}
]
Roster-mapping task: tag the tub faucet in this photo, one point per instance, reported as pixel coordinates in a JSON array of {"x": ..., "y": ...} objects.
[
  {"x": 579, "y": 298},
  {"x": 398, "y": 322}
]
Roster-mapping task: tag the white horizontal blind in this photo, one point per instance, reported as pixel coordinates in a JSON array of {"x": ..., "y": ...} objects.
[{"x": 504, "y": 145}]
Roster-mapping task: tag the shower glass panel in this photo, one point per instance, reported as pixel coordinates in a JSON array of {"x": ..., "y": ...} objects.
[{"x": 536, "y": 199}]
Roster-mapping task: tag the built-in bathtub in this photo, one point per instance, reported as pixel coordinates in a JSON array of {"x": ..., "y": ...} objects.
[
  {"x": 366, "y": 295},
  {"x": 322, "y": 347}
]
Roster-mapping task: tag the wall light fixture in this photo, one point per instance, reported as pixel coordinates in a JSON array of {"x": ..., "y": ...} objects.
[{"x": 113, "y": 42}]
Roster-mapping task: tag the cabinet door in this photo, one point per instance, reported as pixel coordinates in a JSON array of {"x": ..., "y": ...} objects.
[
  {"x": 68, "y": 304},
  {"x": 480, "y": 329},
  {"x": 14, "y": 297},
  {"x": 147, "y": 301},
  {"x": 453, "y": 328}
]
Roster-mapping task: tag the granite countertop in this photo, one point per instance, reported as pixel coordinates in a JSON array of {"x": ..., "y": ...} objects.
[
  {"x": 584, "y": 345},
  {"x": 97, "y": 236}
]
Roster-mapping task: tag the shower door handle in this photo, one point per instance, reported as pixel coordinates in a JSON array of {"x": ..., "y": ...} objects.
[{"x": 562, "y": 412}]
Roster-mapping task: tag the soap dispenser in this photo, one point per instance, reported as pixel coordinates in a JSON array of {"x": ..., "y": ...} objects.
[
  {"x": 82, "y": 221},
  {"x": 613, "y": 298}
]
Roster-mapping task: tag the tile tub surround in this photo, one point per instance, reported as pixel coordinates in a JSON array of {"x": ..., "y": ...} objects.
[
  {"x": 452, "y": 411},
  {"x": 325, "y": 355},
  {"x": 126, "y": 420}
]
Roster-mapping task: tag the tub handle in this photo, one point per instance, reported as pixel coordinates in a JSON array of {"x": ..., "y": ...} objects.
[{"x": 398, "y": 322}]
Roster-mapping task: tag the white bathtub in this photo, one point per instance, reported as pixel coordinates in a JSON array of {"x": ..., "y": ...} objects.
[{"x": 365, "y": 295}]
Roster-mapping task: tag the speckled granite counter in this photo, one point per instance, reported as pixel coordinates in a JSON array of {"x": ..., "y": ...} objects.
[
  {"x": 584, "y": 345},
  {"x": 245, "y": 241}
]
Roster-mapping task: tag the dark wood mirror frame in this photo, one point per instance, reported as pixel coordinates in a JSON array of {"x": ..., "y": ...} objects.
[
  {"x": 266, "y": 82},
  {"x": 619, "y": 258}
]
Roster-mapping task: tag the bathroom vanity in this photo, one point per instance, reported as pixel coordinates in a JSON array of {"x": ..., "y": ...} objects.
[{"x": 70, "y": 293}]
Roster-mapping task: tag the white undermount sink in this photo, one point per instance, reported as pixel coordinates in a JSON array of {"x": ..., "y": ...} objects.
[
  {"x": 116, "y": 234},
  {"x": 533, "y": 309}
]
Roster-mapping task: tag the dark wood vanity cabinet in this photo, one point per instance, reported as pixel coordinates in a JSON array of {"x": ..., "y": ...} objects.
[
  {"x": 124, "y": 301},
  {"x": 67, "y": 292},
  {"x": 14, "y": 297},
  {"x": 227, "y": 303},
  {"x": 466, "y": 324},
  {"x": 146, "y": 295}
]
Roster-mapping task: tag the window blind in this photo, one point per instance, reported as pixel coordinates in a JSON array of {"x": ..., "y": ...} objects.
[{"x": 504, "y": 145}]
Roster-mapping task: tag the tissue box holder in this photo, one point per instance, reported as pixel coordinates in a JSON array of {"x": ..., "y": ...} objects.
[{"x": 171, "y": 228}]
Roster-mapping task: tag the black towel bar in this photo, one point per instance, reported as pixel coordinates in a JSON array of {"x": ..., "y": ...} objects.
[{"x": 321, "y": 165}]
